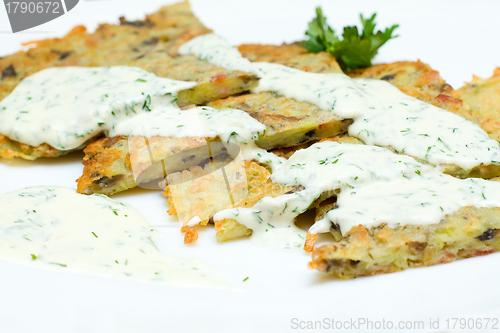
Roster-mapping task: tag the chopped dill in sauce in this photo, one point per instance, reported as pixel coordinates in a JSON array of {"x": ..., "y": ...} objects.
[{"x": 62, "y": 229}]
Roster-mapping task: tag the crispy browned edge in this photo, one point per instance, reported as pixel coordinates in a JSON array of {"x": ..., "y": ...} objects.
[
  {"x": 418, "y": 80},
  {"x": 108, "y": 162},
  {"x": 259, "y": 186},
  {"x": 10, "y": 149},
  {"x": 469, "y": 232},
  {"x": 483, "y": 97},
  {"x": 288, "y": 122},
  {"x": 291, "y": 55}
]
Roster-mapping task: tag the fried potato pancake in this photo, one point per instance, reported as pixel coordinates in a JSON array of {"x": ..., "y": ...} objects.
[
  {"x": 481, "y": 171},
  {"x": 202, "y": 192},
  {"x": 414, "y": 76},
  {"x": 200, "y": 201},
  {"x": 150, "y": 44},
  {"x": 483, "y": 97},
  {"x": 327, "y": 201},
  {"x": 440, "y": 100},
  {"x": 469, "y": 232},
  {"x": 287, "y": 120},
  {"x": 110, "y": 166},
  {"x": 291, "y": 55},
  {"x": 281, "y": 116},
  {"x": 418, "y": 80},
  {"x": 10, "y": 149},
  {"x": 287, "y": 152},
  {"x": 455, "y": 230},
  {"x": 288, "y": 123}
]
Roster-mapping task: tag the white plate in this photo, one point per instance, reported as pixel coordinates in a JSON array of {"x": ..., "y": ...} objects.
[{"x": 458, "y": 38}]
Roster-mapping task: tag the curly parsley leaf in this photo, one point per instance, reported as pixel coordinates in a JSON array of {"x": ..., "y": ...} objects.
[{"x": 354, "y": 50}]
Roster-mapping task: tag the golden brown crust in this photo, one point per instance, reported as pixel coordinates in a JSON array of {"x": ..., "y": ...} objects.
[
  {"x": 10, "y": 149},
  {"x": 291, "y": 55},
  {"x": 466, "y": 233},
  {"x": 287, "y": 152},
  {"x": 112, "y": 165},
  {"x": 310, "y": 241},
  {"x": 418, "y": 80},
  {"x": 483, "y": 97},
  {"x": 107, "y": 167},
  {"x": 191, "y": 234},
  {"x": 202, "y": 192},
  {"x": 288, "y": 122},
  {"x": 414, "y": 74}
]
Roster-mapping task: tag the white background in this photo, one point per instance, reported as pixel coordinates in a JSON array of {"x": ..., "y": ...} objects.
[{"x": 458, "y": 38}]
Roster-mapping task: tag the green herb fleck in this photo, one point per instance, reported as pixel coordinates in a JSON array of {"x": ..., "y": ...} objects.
[{"x": 231, "y": 135}]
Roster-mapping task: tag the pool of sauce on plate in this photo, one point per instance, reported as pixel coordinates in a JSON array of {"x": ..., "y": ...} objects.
[{"x": 56, "y": 228}]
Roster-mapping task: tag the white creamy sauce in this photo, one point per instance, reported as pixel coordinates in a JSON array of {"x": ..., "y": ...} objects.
[
  {"x": 66, "y": 106},
  {"x": 56, "y": 228},
  {"x": 323, "y": 167},
  {"x": 411, "y": 201},
  {"x": 373, "y": 186},
  {"x": 230, "y": 125},
  {"x": 382, "y": 114},
  {"x": 216, "y": 49},
  {"x": 272, "y": 220}
]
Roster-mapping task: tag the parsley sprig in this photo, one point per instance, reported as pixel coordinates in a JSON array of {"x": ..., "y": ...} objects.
[{"x": 354, "y": 50}]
